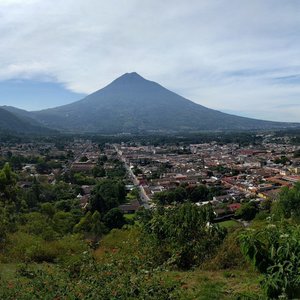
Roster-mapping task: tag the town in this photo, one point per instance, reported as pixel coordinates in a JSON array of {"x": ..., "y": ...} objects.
[
  {"x": 92, "y": 213},
  {"x": 230, "y": 174}
]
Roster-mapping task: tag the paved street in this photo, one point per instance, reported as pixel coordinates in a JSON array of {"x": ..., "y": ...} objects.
[{"x": 144, "y": 199}]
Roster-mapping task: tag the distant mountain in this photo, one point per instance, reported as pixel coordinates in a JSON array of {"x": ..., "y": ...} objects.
[
  {"x": 22, "y": 114},
  {"x": 133, "y": 104},
  {"x": 10, "y": 122}
]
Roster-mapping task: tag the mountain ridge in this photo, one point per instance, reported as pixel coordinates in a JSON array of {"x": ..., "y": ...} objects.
[
  {"x": 13, "y": 123},
  {"x": 133, "y": 104}
]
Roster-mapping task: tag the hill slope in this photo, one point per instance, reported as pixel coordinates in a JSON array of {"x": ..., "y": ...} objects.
[
  {"x": 133, "y": 104},
  {"x": 10, "y": 122}
]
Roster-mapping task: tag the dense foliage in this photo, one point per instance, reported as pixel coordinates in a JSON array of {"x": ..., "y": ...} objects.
[
  {"x": 183, "y": 235},
  {"x": 275, "y": 252},
  {"x": 83, "y": 278},
  {"x": 106, "y": 195},
  {"x": 183, "y": 193},
  {"x": 287, "y": 205}
]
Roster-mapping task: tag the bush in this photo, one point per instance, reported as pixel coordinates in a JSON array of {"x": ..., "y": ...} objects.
[
  {"x": 114, "y": 218},
  {"x": 288, "y": 203},
  {"x": 229, "y": 254},
  {"x": 69, "y": 247},
  {"x": 183, "y": 234},
  {"x": 247, "y": 211},
  {"x": 63, "y": 222},
  {"x": 39, "y": 225},
  {"x": 15, "y": 249},
  {"x": 85, "y": 279},
  {"x": 275, "y": 252},
  {"x": 23, "y": 247},
  {"x": 41, "y": 252}
]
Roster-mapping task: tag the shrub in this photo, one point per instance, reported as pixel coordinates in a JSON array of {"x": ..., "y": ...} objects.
[
  {"x": 247, "y": 211},
  {"x": 23, "y": 247},
  {"x": 85, "y": 279},
  {"x": 229, "y": 254},
  {"x": 275, "y": 252},
  {"x": 184, "y": 234}
]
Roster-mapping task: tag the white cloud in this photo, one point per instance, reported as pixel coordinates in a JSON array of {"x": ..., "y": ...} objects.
[
  {"x": 15, "y": 2},
  {"x": 224, "y": 54}
]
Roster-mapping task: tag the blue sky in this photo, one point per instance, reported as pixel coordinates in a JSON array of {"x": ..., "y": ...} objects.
[
  {"x": 33, "y": 94},
  {"x": 241, "y": 57}
]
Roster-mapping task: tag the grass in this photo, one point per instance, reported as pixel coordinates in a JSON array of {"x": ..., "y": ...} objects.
[
  {"x": 129, "y": 217},
  {"x": 230, "y": 224},
  {"x": 130, "y": 197},
  {"x": 239, "y": 283},
  {"x": 118, "y": 243},
  {"x": 8, "y": 271},
  {"x": 203, "y": 284},
  {"x": 196, "y": 284}
]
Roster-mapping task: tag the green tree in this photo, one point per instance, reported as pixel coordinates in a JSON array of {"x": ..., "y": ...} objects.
[
  {"x": 32, "y": 196},
  {"x": 282, "y": 160},
  {"x": 37, "y": 224},
  {"x": 42, "y": 166},
  {"x": 85, "y": 223},
  {"x": 8, "y": 180},
  {"x": 247, "y": 211},
  {"x": 83, "y": 159},
  {"x": 106, "y": 195},
  {"x": 184, "y": 234},
  {"x": 97, "y": 228},
  {"x": 4, "y": 225},
  {"x": 288, "y": 203},
  {"x": 48, "y": 210},
  {"x": 91, "y": 224},
  {"x": 98, "y": 172},
  {"x": 114, "y": 218},
  {"x": 297, "y": 153},
  {"x": 81, "y": 179},
  {"x": 199, "y": 194},
  {"x": 177, "y": 195},
  {"x": 63, "y": 222}
]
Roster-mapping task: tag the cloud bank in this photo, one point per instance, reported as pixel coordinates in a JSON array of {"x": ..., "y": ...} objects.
[{"x": 236, "y": 56}]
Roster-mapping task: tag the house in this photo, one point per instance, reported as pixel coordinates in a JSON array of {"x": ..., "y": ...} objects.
[
  {"x": 234, "y": 207},
  {"x": 270, "y": 194},
  {"x": 84, "y": 200},
  {"x": 82, "y": 166},
  {"x": 87, "y": 189},
  {"x": 130, "y": 208}
]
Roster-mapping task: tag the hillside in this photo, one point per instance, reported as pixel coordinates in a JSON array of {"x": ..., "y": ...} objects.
[{"x": 10, "y": 122}]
